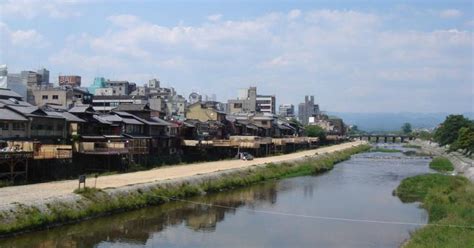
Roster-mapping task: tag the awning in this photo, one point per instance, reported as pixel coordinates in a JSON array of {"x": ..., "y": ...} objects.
[{"x": 93, "y": 137}]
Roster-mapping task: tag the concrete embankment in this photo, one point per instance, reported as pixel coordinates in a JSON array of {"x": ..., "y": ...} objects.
[
  {"x": 462, "y": 165},
  {"x": 42, "y": 205}
]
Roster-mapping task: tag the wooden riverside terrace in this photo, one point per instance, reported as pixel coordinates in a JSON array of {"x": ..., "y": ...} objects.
[
  {"x": 14, "y": 164},
  {"x": 250, "y": 142}
]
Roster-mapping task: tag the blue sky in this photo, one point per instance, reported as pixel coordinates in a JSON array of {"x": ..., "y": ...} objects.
[{"x": 354, "y": 56}]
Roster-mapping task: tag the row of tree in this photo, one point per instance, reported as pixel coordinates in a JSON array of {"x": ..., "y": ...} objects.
[{"x": 456, "y": 131}]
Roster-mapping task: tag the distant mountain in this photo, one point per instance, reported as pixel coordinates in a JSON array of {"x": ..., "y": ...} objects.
[{"x": 393, "y": 121}]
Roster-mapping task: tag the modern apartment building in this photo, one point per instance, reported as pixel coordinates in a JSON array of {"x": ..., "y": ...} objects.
[
  {"x": 307, "y": 109},
  {"x": 286, "y": 110}
]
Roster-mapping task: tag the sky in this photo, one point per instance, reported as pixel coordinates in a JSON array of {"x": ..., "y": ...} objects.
[{"x": 353, "y": 56}]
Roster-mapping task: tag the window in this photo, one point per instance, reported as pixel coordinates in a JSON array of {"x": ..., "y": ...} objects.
[
  {"x": 264, "y": 122},
  {"x": 59, "y": 127},
  {"x": 19, "y": 126},
  {"x": 237, "y": 105},
  {"x": 55, "y": 97},
  {"x": 45, "y": 97},
  {"x": 3, "y": 126}
]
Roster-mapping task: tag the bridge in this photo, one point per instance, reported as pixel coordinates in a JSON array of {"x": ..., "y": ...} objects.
[{"x": 385, "y": 137}]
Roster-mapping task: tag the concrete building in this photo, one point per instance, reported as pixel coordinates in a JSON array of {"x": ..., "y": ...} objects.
[
  {"x": 307, "y": 109},
  {"x": 107, "y": 103},
  {"x": 71, "y": 80},
  {"x": 204, "y": 112},
  {"x": 64, "y": 97},
  {"x": 154, "y": 83},
  {"x": 246, "y": 101},
  {"x": 119, "y": 88},
  {"x": 332, "y": 125},
  {"x": 12, "y": 81},
  {"x": 44, "y": 75},
  {"x": 286, "y": 110},
  {"x": 266, "y": 104},
  {"x": 176, "y": 106}
]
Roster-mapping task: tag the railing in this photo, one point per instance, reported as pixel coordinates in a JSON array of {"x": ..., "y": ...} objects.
[
  {"x": 53, "y": 151},
  {"x": 44, "y": 133}
]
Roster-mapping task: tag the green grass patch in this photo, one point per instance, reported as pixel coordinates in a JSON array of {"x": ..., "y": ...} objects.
[
  {"x": 381, "y": 149},
  {"x": 441, "y": 164},
  {"x": 449, "y": 201},
  {"x": 411, "y": 146},
  {"x": 95, "y": 202}
]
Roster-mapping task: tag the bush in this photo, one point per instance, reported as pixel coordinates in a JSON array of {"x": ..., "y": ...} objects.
[{"x": 449, "y": 201}]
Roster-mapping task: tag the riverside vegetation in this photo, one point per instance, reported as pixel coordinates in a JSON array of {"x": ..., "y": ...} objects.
[
  {"x": 97, "y": 202},
  {"x": 441, "y": 164},
  {"x": 449, "y": 201}
]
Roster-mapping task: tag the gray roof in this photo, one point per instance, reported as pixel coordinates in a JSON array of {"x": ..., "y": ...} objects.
[
  {"x": 117, "y": 118},
  {"x": 132, "y": 107},
  {"x": 101, "y": 120},
  {"x": 161, "y": 121},
  {"x": 4, "y": 93},
  {"x": 68, "y": 116},
  {"x": 6, "y": 114},
  {"x": 131, "y": 121},
  {"x": 80, "y": 109},
  {"x": 24, "y": 109}
]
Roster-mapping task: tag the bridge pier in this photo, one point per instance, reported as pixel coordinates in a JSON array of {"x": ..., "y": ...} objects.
[
  {"x": 393, "y": 139},
  {"x": 377, "y": 139},
  {"x": 385, "y": 139},
  {"x": 402, "y": 139}
]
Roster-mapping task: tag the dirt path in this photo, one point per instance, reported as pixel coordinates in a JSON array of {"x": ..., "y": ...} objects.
[{"x": 34, "y": 193}]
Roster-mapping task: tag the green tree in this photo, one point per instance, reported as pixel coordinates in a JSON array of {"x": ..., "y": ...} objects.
[
  {"x": 315, "y": 131},
  {"x": 447, "y": 132},
  {"x": 406, "y": 128},
  {"x": 465, "y": 140}
]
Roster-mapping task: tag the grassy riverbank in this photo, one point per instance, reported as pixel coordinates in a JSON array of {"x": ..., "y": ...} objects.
[
  {"x": 95, "y": 202},
  {"x": 449, "y": 201},
  {"x": 441, "y": 164}
]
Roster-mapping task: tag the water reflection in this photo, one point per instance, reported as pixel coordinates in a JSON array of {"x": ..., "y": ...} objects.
[
  {"x": 360, "y": 188},
  {"x": 138, "y": 226}
]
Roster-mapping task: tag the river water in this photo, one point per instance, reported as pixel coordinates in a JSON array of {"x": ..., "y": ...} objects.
[{"x": 350, "y": 206}]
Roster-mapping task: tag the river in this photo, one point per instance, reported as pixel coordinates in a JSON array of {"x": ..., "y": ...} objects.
[{"x": 349, "y": 206}]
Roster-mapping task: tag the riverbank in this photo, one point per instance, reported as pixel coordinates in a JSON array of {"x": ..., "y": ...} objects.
[
  {"x": 462, "y": 165},
  {"x": 200, "y": 179},
  {"x": 448, "y": 200}
]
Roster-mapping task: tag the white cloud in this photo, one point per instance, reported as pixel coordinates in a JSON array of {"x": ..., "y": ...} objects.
[
  {"x": 334, "y": 48},
  {"x": 21, "y": 38},
  {"x": 125, "y": 21},
  {"x": 38, "y": 8},
  {"x": 450, "y": 13},
  {"x": 215, "y": 17},
  {"x": 293, "y": 14}
]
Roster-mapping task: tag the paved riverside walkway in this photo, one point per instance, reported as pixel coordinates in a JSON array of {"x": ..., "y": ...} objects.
[{"x": 41, "y": 192}]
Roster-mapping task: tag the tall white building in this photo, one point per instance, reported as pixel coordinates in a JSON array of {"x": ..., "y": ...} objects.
[{"x": 13, "y": 82}]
